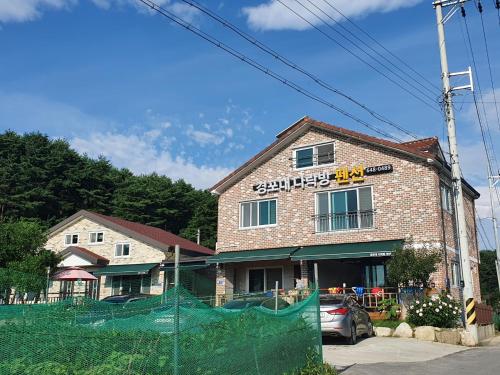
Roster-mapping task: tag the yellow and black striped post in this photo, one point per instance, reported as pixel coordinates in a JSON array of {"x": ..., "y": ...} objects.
[{"x": 470, "y": 311}]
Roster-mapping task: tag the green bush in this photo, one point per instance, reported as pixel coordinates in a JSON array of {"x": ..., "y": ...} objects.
[
  {"x": 391, "y": 307},
  {"x": 437, "y": 311},
  {"x": 313, "y": 367},
  {"x": 496, "y": 320}
]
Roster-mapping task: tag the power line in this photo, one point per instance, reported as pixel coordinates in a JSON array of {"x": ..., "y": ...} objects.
[
  {"x": 497, "y": 5},
  {"x": 480, "y": 9},
  {"x": 292, "y": 64},
  {"x": 381, "y": 45},
  {"x": 487, "y": 242},
  {"x": 489, "y": 159},
  {"x": 370, "y": 47},
  {"x": 432, "y": 100},
  {"x": 217, "y": 43},
  {"x": 357, "y": 56}
]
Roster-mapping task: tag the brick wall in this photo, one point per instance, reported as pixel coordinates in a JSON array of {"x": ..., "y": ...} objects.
[
  {"x": 406, "y": 200},
  {"x": 407, "y": 203}
]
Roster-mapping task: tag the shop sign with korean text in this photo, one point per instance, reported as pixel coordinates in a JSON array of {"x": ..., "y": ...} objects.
[{"x": 342, "y": 175}]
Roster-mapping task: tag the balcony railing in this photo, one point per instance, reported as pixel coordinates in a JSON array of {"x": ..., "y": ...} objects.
[{"x": 344, "y": 221}]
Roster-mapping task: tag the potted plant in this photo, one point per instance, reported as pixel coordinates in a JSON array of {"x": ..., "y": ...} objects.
[{"x": 389, "y": 309}]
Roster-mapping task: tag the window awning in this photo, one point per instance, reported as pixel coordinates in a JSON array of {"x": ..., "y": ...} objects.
[
  {"x": 126, "y": 269},
  {"x": 347, "y": 250},
  {"x": 252, "y": 255}
]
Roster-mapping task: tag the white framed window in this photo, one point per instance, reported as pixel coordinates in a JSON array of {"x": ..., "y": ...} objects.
[
  {"x": 344, "y": 209},
  {"x": 263, "y": 279},
  {"x": 96, "y": 237},
  {"x": 258, "y": 213},
  {"x": 446, "y": 198},
  {"x": 312, "y": 156},
  {"x": 122, "y": 250},
  {"x": 71, "y": 239}
]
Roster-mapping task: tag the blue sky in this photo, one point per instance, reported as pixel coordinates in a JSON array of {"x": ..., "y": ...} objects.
[{"x": 115, "y": 79}]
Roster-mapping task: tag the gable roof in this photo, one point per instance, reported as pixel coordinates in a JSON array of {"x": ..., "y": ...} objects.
[
  {"x": 84, "y": 253},
  {"x": 422, "y": 149},
  {"x": 152, "y": 236}
]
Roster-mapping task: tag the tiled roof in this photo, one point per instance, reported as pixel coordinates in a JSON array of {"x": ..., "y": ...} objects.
[
  {"x": 154, "y": 236},
  {"x": 86, "y": 252},
  {"x": 417, "y": 148},
  {"x": 158, "y": 234}
]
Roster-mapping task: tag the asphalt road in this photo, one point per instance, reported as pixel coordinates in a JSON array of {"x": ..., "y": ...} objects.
[{"x": 477, "y": 361}]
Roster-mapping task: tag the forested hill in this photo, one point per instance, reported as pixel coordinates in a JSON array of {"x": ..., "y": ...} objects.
[{"x": 45, "y": 179}]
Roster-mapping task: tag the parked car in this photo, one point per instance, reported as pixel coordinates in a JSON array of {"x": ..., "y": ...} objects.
[
  {"x": 342, "y": 316},
  {"x": 125, "y": 298},
  {"x": 267, "y": 302}
]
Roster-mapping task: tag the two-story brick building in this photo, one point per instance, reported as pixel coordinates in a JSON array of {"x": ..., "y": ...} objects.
[
  {"x": 343, "y": 199},
  {"x": 126, "y": 257}
]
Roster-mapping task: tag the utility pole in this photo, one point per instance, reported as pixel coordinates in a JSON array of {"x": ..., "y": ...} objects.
[
  {"x": 492, "y": 182},
  {"x": 468, "y": 291}
]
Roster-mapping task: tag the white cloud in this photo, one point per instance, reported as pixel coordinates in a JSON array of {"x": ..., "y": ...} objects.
[
  {"x": 204, "y": 138},
  {"x": 178, "y": 8},
  {"x": 272, "y": 15},
  {"x": 139, "y": 154},
  {"x": 28, "y": 10}
]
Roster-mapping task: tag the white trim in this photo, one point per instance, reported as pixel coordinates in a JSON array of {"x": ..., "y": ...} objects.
[
  {"x": 330, "y": 191},
  {"x": 97, "y": 232},
  {"x": 314, "y": 156},
  {"x": 240, "y": 227},
  {"x": 247, "y": 274},
  {"x": 71, "y": 234},
  {"x": 123, "y": 243}
]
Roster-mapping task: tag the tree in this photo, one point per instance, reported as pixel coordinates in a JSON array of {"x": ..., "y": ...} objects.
[
  {"x": 23, "y": 260},
  {"x": 44, "y": 179},
  {"x": 20, "y": 239},
  {"x": 204, "y": 219},
  {"x": 488, "y": 277},
  {"x": 409, "y": 266}
]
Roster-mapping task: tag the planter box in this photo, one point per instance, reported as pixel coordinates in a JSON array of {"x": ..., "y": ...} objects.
[{"x": 377, "y": 315}]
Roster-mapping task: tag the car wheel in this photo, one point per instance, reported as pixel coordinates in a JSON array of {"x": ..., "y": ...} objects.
[
  {"x": 353, "y": 338},
  {"x": 369, "y": 331}
]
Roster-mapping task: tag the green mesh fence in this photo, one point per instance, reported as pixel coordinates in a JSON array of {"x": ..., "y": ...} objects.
[{"x": 174, "y": 333}]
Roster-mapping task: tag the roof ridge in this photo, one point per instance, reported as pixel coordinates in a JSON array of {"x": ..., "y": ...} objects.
[{"x": 419, "y": 140}]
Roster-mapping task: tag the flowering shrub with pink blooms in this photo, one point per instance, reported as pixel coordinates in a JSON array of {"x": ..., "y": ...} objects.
[{"x": 437, "y": 311}]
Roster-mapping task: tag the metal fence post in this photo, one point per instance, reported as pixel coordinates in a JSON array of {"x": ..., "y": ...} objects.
[
  {"x": 276, "y": 298},
  {"x": 318, "y": 314}
]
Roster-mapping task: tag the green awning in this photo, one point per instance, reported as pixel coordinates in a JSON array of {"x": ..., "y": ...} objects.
[
  {"x": 252, "y": 255},
  {"x": 347, "y": 250},
  {"x": 126, "y": 269},
  {"x": 183, "y": 267}
]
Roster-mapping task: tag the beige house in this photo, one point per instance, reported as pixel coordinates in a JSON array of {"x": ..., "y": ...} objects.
[
  {"x": 126, "y": 257},
  {"x": 345, "y": 200}
]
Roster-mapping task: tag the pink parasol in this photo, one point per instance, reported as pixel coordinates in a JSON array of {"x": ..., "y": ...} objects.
[{"x": 73, "y": 274}]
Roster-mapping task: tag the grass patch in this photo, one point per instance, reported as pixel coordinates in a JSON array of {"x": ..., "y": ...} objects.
[{"x": 387, "y": 323}]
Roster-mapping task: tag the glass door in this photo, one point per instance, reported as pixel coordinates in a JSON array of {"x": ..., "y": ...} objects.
[{"x": 256, "y": 280}]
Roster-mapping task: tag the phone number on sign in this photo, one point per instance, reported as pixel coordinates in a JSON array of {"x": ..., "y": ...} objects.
[{"x": 379, "y": 169}]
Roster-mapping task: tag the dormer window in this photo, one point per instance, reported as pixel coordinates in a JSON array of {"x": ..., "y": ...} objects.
[{"x": 312, "y": 156}]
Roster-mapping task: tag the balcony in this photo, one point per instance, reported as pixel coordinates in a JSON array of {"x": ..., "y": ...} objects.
[{"x": 336, "y": 222}]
